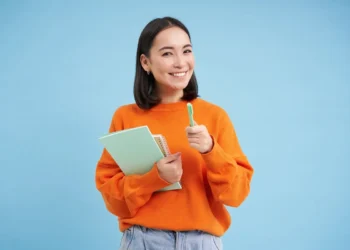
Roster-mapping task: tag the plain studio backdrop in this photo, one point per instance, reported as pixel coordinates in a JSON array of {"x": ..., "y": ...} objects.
[{"x": 280, "y": 69}]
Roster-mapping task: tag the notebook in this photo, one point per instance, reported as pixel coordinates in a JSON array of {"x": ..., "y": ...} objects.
[
  {"x": 135, "y": 150},
  {"x": 162, "y": 144}
]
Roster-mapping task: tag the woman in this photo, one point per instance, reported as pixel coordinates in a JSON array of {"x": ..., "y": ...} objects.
[{"x": 207, "y": 157}]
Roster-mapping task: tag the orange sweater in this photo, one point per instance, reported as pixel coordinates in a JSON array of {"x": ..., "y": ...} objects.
[{"x": 210, "y": 181}]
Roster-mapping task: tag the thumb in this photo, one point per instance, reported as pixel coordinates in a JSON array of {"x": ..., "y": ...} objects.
[{"x": 173, "y": 157}]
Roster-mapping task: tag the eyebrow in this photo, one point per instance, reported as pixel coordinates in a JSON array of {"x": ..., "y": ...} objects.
[{"x": 169, "y": 47}]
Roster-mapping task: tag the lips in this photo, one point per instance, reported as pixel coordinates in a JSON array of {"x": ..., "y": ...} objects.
[{"x": 178, "y": 74}]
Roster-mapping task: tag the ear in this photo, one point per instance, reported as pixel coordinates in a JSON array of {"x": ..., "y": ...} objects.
[{"x": 145, "y": 63}]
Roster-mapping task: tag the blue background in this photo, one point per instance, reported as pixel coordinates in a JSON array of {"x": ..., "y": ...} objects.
[{"x": 280, "y": 69}]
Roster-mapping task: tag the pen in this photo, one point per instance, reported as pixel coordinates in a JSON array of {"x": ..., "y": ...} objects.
[{"x": 190, "y": 113}]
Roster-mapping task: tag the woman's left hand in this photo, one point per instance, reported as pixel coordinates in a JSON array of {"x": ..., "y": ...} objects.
[{"x": 199, "y": 138}]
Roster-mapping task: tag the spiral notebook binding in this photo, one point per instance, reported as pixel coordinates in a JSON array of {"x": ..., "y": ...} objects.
[
  {"x": 162, "y": 143},
  {"x": 165, "y": 145}
]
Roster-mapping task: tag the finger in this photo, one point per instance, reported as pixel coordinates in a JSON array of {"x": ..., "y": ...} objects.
[
  {"x": 193, "y": 140},
  {"x": 194, "y": 130},
  {"x": 194, "y": 145},
  {"x": 190, "y": 136},
  {"x": 178, "y": 159},
  {"x": 172, "y": 157}
]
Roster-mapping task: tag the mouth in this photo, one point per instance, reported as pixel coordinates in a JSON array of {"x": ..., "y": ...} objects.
[{"x": 178, "y": 74}]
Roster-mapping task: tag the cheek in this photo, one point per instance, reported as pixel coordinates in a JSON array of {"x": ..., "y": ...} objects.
[
  {"x": 163, "y": 67},
  {"x": 192, "y": 62}
]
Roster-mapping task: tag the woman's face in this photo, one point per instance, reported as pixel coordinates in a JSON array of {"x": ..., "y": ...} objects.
[{"x": 171, "y": 61}]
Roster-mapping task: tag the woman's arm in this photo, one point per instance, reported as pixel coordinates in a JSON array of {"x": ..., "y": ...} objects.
[
  {"x": 228, "y": 169},
  {"x": 124, "y": 195}
]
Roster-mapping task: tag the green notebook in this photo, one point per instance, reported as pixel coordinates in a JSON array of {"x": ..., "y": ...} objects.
[{"x": 136, "y": 150}]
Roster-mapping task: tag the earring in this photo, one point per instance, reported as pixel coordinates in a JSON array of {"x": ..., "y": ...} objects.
[{"x": 147, "y": 72}]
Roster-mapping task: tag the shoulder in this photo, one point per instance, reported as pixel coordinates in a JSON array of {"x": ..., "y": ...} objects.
[
  {"x": 209, "y": 108},
  {"x": 212, "y": 115},
  {"x": 126, "y": 110}
]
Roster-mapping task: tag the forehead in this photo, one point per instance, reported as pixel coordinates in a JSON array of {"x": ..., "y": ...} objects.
[{"x": 173, "y": 36}]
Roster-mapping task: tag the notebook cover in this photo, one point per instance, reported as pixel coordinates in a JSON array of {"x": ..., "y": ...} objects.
[{"x": 134, "y": 150}]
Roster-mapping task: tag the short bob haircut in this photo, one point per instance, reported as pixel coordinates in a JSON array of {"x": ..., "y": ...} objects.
[{"x": 144, "y": 85}]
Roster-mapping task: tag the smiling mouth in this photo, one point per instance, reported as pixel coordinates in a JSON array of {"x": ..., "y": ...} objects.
[{"x": 178, "y": 74}]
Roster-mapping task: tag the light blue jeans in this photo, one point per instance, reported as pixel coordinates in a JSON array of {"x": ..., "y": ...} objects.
[{"x": 141, "y": 238}]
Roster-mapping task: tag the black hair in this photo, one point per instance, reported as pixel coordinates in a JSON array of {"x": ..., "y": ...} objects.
[{"x": 144, "y": 84}]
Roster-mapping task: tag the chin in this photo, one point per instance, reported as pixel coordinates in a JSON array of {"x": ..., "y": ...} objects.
[{"x": 178, "y": 86}]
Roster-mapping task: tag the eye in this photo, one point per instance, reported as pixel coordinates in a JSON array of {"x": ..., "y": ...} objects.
[
  {"x": 166, "y": 54},
  {"x": 187, "y": 51}
]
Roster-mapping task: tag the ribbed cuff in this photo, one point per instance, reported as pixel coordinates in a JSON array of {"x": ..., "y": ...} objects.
[
  {"x": 152, "y": 181},
  {"x": 216, "y": 158}
]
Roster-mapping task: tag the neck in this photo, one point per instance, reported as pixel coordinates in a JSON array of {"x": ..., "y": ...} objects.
[{"x": 170, "y": 96}]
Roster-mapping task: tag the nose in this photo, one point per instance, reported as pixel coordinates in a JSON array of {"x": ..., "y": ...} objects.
[{"x": 179, "y": 61}]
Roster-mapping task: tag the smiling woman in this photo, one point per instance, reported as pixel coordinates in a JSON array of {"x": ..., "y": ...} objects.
[
  {"x": 165, "y": 64},
  {"x": 207, "y": 158},
  {"x": 171, "y": 65}
]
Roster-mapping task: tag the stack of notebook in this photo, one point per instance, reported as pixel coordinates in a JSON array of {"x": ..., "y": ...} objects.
[{"x": 136, "y": 151}]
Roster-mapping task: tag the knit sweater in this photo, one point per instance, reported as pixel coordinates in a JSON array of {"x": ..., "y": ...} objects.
[{"x": 210, "y": 181}]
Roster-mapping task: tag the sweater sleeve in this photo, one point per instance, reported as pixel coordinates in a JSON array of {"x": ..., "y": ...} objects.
[
  {"x": 228, "y": 169},
  {"x": 124, "y": 195}
]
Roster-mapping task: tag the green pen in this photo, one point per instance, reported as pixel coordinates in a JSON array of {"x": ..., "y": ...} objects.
[{"x": 190, "y": 113}]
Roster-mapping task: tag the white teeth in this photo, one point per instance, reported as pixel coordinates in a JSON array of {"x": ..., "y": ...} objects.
[{"x": 179, "y": 74}]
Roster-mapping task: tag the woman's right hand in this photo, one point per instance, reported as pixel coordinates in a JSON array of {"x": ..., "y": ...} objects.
[{"x": 170, "y": 168}]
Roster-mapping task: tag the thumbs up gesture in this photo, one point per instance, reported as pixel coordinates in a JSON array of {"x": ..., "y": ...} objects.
[{"x": 199, "y": 138}]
